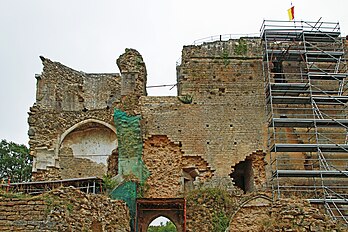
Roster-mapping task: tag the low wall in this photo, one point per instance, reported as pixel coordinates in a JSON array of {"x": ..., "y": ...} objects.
[{"x": 64, "y": 209}]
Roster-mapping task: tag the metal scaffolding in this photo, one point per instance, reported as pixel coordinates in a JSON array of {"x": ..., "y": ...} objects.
[
  {"x": 305, "y": 73},
  {"x": 87, "y": 185}
]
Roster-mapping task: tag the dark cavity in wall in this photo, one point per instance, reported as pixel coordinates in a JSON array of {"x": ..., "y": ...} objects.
[
  {"x": 243, "y": 176},
  {"x": 113, "y": 163}
]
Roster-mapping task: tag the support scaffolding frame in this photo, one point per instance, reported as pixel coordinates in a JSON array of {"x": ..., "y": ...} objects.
[{"x": 305, "y": 72}]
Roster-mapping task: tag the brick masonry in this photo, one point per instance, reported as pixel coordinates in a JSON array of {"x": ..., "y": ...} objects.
[{"x": 215, "y": 122}]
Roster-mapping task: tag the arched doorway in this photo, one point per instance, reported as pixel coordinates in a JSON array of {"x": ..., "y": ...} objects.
[
  {"x": 149, "y": 209},
  {"x": 161, "y": 224}
]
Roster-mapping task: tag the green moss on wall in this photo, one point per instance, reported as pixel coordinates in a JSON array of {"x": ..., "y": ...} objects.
[
  {"x": 130, "y": 146},
  {"x": 130, "y": 164}
]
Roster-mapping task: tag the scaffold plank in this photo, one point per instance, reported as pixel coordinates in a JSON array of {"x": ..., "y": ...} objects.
[
  {"x": 305, "y": 123},
  {"x": 332, "y": 200},
  {"x": 322, "y": 100},
  {"x": 327, "y": 76},
  {"x": 311, "y": 173},
  {"x": 339, "y": 148}
]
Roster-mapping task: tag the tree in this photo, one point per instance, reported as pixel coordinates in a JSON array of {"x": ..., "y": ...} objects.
[
  {"x": 168, "y": 227},
  {"x": 15, "y": 162}
]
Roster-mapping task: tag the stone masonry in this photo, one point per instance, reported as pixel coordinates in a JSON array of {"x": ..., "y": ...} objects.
[
  {"x": 211, "y": 135},
  {"x": 215, "y": 122}
]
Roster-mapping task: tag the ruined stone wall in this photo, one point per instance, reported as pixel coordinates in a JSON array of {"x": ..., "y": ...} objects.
[
  {"x": 224, "y": 122},
  {"x": 258, "y": 214},
  {"x": 215, "y": 123},
  {"x": 169, "y": 169},
  {"x": 64, "y": 209},
  {"x": 134, "y": 75},
  {"x": 211, "y": 209},
  {"x": 71, "y": 128},
  {"x": 163, "y": 159},
  {"x": 66, "y": 98},
  {"x": 50, "y": 126},
  {"x": 62, "y": 88}
]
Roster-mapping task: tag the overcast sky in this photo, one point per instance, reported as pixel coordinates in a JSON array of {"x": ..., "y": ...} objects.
[{"x": 89, "y": 36}]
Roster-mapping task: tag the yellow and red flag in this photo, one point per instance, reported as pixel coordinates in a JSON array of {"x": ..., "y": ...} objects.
[{"x": 291, "y": 13}]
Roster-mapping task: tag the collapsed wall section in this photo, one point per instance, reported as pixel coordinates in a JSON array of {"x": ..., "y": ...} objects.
[
  {"x": 70, "y": 106},
  {"x": 172, "y": 173},
  {"x": 71, "y": 127}
]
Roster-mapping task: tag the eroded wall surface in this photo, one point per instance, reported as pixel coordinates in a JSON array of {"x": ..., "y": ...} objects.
[
  {"x": 219, "y": 113},
  {"x": 259, "y": 214},
  {"x": 71, "y": 123},
  {"x": 171, "y": 173}
]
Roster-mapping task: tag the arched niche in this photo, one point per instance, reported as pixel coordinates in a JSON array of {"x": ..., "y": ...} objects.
[{"x": 84, "y": 148}]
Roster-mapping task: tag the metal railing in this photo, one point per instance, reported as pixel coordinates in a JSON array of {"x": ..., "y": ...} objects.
[
  {"x": 87, "y": 185},
  {"x": 224, "y": 37}
]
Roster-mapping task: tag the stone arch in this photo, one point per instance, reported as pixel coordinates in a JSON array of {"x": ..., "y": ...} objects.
[
  {"x": 172, "y": 216},
  {"x": 84, "y": 148},
  {"x": 256, "y": 201},
  {"x": 171, "y": 208},
  {"x": 256, "y": 209}
]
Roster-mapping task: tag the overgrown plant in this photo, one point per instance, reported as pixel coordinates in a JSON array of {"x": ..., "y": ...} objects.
[
  {"x": 13, "y": 195},
  {"x": 225, "y": 58},
  {"x": 241, "y": 48},
  {"x": 186, "y": 99},
  {"x": 142, "y": 189},
  {"x": 109, "y": 183},
  {"x": 220, "y": 221},
  {"x": 216, "y": 204}
]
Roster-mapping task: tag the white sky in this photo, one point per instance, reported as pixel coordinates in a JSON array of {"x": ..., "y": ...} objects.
[
  {"x": 89, "y": 36},
  {"x": 159, "y": 220}
]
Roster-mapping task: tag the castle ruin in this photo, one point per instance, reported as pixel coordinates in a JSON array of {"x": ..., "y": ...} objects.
[{"x": 250, "y": 114}]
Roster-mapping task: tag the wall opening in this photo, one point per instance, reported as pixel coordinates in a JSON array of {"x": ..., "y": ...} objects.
[
  {"x": 277, "y": 69},
  {"x": 243, "y": 176},
  {"x": 113, "y": 163},
  {"x": 189, "y": 176},
  {"x": 149, "y": 209},
  {"x": 162, "y": 224}
]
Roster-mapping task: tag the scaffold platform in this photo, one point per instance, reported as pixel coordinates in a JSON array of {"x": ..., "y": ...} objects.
[{"x": 306, "y": 94}]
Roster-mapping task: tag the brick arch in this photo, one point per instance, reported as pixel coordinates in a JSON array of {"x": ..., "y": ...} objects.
[
  {"x": 172, "y": 208},
  {"x": 257, "y": 208}
]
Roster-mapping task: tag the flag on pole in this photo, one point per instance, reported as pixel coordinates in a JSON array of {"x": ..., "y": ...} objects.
[{"x": 291, "y": 13}]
